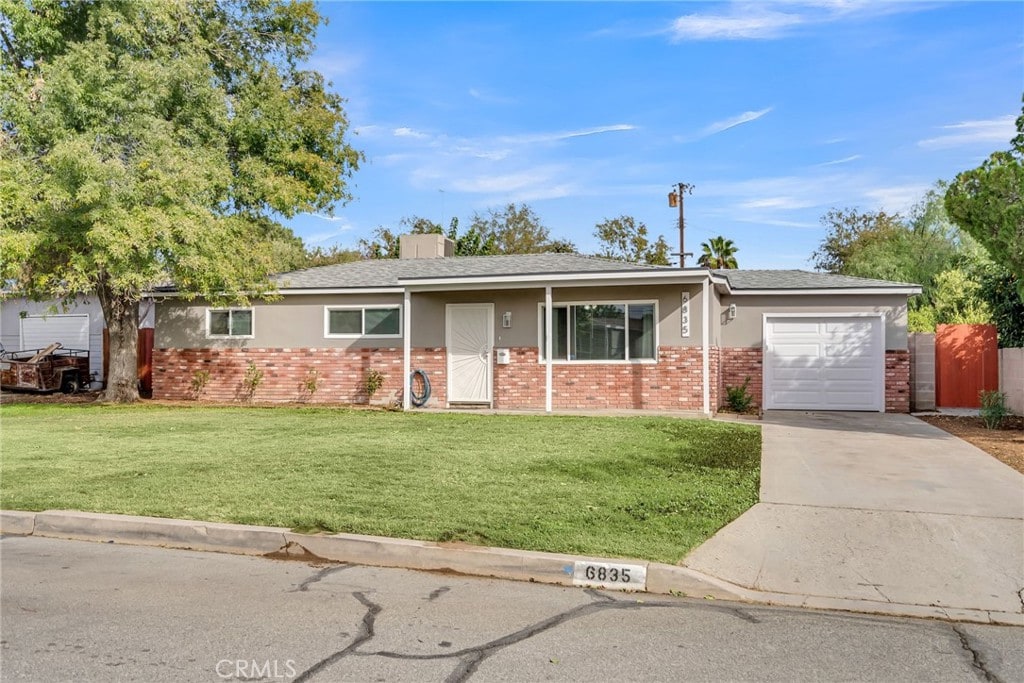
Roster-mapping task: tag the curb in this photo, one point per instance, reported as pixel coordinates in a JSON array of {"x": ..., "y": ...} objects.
[{"x": 378, "y": 551}]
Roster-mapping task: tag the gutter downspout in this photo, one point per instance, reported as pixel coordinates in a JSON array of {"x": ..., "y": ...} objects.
[
  {"x": 406, "y": 349},
  {"x": 705, "y": 340},
  {"x": 548, "y": 319}
]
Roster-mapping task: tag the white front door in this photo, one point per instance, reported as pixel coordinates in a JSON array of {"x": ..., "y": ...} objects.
[
  {"x": 827, "y": 362},
  {"x": 469, "y": 338}
]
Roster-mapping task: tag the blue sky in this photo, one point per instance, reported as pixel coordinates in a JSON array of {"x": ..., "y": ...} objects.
[{"x": 586, "y": 111}]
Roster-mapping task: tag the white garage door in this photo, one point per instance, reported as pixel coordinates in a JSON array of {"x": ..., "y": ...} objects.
[
  {"x": 72, "y": 331},
  {"x": 824, "y": 363}
]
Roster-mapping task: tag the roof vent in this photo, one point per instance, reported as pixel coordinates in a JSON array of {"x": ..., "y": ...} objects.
[{"x": 425, "y": 246}]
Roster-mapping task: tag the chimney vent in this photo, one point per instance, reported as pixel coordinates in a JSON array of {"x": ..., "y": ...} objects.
[{"x": 425, "y": 246}]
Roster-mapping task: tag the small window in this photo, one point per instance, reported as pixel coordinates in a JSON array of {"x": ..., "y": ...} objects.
[
  {"x": 376, "y": 321},
  {"x": 229, "y": 322}
]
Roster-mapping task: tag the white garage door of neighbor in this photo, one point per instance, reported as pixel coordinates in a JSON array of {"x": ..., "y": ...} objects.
[
  {"x": 824, "y": 363},
  {"x": 39, "y": 331}
]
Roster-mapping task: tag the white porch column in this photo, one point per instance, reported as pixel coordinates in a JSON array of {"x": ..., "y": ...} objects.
[
  {"x": 548, "y": 318},
  {"x": 406, "y": 350},
  {"x": 705, "y": 340}
]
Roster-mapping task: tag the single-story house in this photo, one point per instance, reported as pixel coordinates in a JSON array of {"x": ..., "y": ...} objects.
[
  {"x": 547, "y": 332},
  {"x": 74, "y": 324}
]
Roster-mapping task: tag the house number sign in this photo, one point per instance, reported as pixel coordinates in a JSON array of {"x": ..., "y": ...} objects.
[
  {"x": 625, "y": 577},
  {"x": 684, "y": 316}
]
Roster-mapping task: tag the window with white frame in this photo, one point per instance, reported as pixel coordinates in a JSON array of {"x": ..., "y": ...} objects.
[
  {"x": 363, "y": 321},
  {"x": 601, "y": 331},
  {"x": 229, "y": 322}
]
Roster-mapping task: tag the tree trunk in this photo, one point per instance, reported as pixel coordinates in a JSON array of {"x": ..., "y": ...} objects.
[{"x": 121, "y": 313}]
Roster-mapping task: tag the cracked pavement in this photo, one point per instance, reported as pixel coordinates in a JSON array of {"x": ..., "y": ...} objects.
[{"x": 88, "y": 611}]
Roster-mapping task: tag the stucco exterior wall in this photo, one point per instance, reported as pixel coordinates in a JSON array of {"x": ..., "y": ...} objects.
[
  {"x": 297, "y": 321},
  {"x": 746, "y": 329},
  {"x": 291, "y": 322}
]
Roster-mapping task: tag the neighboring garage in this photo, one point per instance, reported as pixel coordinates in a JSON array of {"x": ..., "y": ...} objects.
[
  {"x": 78, "y": 324},
  {"x": 815, "y": 341},
  {"x": 71, "y": 331}
]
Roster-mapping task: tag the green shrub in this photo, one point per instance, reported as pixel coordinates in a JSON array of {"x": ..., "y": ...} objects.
[
  {"x": 310, "y": 383},
  {"x": 993, "y": 408},
  {"x": 253, "y": 378},
  {"x": 200, "y": 378},
  {"x": 372, "y": 383},
  {"x": 739, "y": 398}
]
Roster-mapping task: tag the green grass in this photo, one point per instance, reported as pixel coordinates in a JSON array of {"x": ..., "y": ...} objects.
[{"x": 644, "y": 487}]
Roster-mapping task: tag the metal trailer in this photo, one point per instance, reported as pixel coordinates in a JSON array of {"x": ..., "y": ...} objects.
[{"x": 53, "y": 368}]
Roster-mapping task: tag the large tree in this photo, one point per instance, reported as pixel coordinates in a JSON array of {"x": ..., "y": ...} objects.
[
  {"x": 143, "y": 142},
  {"x": 626, "y": 239},
  {"x": 849, "y": 231},
  {"x": 913, "y": 249},
  {"x": 517, "y": 229},
  {"x": 988, "y": 203}
]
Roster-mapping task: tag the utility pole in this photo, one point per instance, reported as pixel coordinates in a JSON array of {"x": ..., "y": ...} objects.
[{"x": 675, "y": 198}]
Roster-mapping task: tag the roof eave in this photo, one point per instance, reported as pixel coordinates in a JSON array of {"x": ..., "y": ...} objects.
[
  {"x": 562, "y": 279},
  {"x": 908, "y": 290}
]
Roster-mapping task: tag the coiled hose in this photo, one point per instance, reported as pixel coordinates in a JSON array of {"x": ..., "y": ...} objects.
[{"x": 419, "y": 399}]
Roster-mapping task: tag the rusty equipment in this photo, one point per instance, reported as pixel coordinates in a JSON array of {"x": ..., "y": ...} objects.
[{"x": 50, "y": 369}]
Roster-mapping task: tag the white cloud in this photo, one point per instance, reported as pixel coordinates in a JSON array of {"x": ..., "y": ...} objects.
[
  {"x": 758, "y": 24},
  {"x": 997, "y": 130},
  {"x": 533, "y": 138},
  {"x": 405, "y": 132},
  {"x": 752, "y": 21},
  {"x": 340, "y": 226},
  {"x": 733, "y": 121},
  {"x": 757, "y": 199},
  {"x": 779, "y": 203},
  {"x": 482, "y": 153},
  {"x": 897, "y": 198},
  {"x": 836, "y": 162}
]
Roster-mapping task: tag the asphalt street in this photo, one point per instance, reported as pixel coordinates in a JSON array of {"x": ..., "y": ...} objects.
[{"x": 83, "y": 611}]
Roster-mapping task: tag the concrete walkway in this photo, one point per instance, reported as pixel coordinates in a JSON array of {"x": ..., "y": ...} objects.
[{"x": 877, "y": 508}]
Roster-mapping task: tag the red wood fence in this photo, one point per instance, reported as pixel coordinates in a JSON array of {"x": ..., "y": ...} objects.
[{"x": 966, "y": 363}]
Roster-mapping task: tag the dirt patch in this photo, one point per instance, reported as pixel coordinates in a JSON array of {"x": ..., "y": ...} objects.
[
  {"x": 1006, "y": 443},
  {"x": 54, "y": 398}
]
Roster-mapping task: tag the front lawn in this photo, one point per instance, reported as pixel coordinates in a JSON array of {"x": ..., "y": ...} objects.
[{"x": 644, "y": 487}]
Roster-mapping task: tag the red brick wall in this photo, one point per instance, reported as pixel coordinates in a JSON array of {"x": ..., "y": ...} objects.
[
  {"x": 737, "y": 365},
  {"x": 340, "y": 373},
  {"x": 897, "y": 381},
  {"x": 673, "y": 383}
]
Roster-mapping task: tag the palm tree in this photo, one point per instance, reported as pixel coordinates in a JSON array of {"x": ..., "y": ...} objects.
[{"x": 718, "y": 253}]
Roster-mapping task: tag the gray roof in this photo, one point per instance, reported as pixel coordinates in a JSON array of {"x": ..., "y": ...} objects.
[
  {"x": 801, "y": 279},
  {"x": 387, "y": 272},
  {"x": 393, "y": 273}
]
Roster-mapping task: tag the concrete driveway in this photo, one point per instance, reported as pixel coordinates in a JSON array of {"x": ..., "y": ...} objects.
[{"x": 877, "y": 509}]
